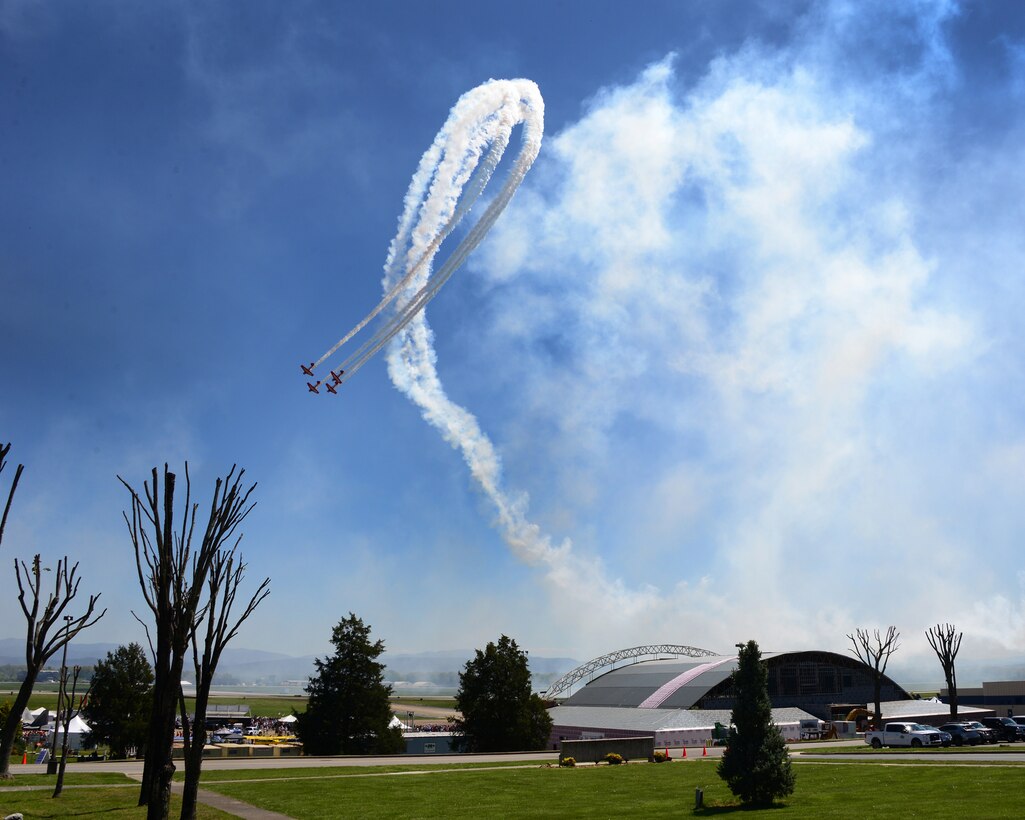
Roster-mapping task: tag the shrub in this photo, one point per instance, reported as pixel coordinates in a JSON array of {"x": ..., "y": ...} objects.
[
  {"x": 567, "y": 762},
  {"x": 661, "y": 757},
  {"x": 613, "y": 759}
]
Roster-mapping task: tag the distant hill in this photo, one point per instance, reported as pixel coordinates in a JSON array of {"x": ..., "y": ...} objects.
[{"x": 257, "y": 666}]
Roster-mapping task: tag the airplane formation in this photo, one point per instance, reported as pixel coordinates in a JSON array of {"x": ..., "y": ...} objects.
[{"x": 332, "y": 386}]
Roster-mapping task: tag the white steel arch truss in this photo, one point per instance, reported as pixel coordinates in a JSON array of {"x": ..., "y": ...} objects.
[{"x": 567, "y": 681}]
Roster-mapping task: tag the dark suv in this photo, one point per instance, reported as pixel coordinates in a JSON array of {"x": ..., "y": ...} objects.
[
  {"x": 1005, "y": 728},
  {"x": 988, "y": 735},
  {"x": 961, "y": 734}
]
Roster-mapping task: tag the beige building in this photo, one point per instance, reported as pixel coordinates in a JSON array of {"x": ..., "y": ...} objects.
[{"x": 1006, "y": 698}]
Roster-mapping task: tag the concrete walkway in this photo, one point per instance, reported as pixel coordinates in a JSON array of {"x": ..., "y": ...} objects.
[{"x": 229, "y": 805}]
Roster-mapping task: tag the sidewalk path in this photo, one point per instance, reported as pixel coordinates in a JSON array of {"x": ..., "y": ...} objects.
[{"x": 229, "y": 805}]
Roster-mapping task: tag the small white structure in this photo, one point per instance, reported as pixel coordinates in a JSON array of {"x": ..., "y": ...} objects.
[
  {"x": 77, "y": 730},
  {"x": 396, "y": 722}
]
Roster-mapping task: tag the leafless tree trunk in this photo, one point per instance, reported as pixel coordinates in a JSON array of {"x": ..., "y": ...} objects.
[
  {"x": 40, "y": 645},
  {"x": 945, "y": 642},
  {"x": 172, "y": 575},
  {"x": 226, "y": 575},
  {"x": 68, "y": 715},
  {"x": 4, "y": 450},
  {"x": 874, "y": 651}
]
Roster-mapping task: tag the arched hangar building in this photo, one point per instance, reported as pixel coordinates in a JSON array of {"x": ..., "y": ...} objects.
[{"x": 678, "y": 700}]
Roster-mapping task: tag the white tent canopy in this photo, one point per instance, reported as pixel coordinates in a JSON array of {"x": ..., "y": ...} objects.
[
  {"x": 396, "y": 722},
  {"x": 77, "y": 730},
  {"x": 288, "y": 719}
]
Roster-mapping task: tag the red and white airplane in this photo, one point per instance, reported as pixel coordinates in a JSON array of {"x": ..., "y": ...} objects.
[
  {"x": 331, "y": 388},
  {"x": 308, "y": 370},
  {"x": 313, "y": 387},
  {"x": 337, "y": 376}
]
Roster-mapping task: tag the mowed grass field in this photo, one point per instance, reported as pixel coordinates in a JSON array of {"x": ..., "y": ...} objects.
[
  {"x": 259, "y": 705},
  {"x": 263, "y": 705},
  {"x": 98, "y": 795},
  {"x": 834, "y": 790},
  {"x": 633, "y": 790}
]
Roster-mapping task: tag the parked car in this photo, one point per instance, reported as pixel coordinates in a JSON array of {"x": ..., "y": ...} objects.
[
  {"x": 988, "y": 735},
  {"x": 1019, "y": 719},
  {"x": 961, "y": 735},
  {"x": 1005, "y": 728},
  {"x": 945, "y": 737}
]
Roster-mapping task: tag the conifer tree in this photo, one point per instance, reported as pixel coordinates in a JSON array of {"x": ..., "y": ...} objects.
[
  {"x": 755, "y": 763},
  {"x": 120, "y": 701},
  {"x": 348, "y": 710},
  {"x": 499, "y": 711}
]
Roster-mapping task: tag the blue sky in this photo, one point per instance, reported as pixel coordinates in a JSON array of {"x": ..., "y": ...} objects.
[{"x": 746, "y": 341}]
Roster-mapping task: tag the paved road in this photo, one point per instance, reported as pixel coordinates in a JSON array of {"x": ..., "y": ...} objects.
[
  {"x": 805, "y": 751},
  {"x": 213, "y": 764}
]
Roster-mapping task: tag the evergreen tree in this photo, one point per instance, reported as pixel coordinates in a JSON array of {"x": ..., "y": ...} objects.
[
  {"x": 348, "y": 710},
  {"x": 755, "y": 763},
  {"x": 18, "y": 747},
  {"x": 500, "y": 713},
  {"x": 120, "y": 701}
]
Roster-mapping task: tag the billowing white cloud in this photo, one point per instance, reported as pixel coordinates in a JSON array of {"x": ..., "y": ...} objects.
[{"x": 765, "y": 374}]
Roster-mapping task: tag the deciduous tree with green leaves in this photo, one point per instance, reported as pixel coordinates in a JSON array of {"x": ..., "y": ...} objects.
[
  {"x": 499, "y": 711},
  {"x": 755, "y": 763},
  {"x": 348, "y": 710},
  {"x": 120, "y": 701}
]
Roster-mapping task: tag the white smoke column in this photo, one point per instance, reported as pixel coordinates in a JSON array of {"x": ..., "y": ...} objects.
[{"x": 483, "y": 117}]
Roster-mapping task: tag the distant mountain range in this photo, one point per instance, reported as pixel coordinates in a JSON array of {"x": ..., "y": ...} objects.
[
  {"x": 442, "y": 668},
  {"x": 256, "y": 666}
]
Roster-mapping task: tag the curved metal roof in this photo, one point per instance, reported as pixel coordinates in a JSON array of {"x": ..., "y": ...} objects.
[
  {"x": 681, "y": 682},
  {"x": 567, "y": 681}
]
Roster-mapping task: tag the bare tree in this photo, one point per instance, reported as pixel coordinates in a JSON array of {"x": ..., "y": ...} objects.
[
  {"x": 226, "y": 575},
  {"x": 69, "y": 714},
  {"x": 874, "y": 651},
  {"x": 4, "y": 450},
  {"x": 40, "y": 645},
  {"x": 172, "y": 575},
  {"x": 945, "y": 641}
]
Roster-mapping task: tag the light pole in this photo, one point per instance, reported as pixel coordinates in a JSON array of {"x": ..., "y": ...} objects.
[{"x": 51, "y": 764}]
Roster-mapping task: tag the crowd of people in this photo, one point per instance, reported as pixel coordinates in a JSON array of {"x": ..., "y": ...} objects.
[{"x": 433, "y": 727}]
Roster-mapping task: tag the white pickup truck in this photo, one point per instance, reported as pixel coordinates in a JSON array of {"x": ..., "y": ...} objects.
[{"x": 904, "y": 734}]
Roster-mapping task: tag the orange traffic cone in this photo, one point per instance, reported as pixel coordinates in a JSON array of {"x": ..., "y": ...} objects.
[
  {"x": 24, "y": 758},
  {"x": 684, "y": 751},
  {"x": 704, "y": 751}
]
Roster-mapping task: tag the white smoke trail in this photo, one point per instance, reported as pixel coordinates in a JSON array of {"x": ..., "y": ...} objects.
[
  {"x": 484, "y": 115},
  {"x": 436, "y": 195},
  {"x": 450, "y": 178}
]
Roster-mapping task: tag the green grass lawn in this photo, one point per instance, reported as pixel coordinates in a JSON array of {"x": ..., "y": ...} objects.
[
  {"x": 259, "y": 705},
  {"x": 411, "y": 702},
  {"x": 327, "y": 772},
  {"x": 100, "y": 795},
  {"x": 635, "y": 790},
  {"x": 824, "y": 789},
  {"x": 71, "y": 778}
]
